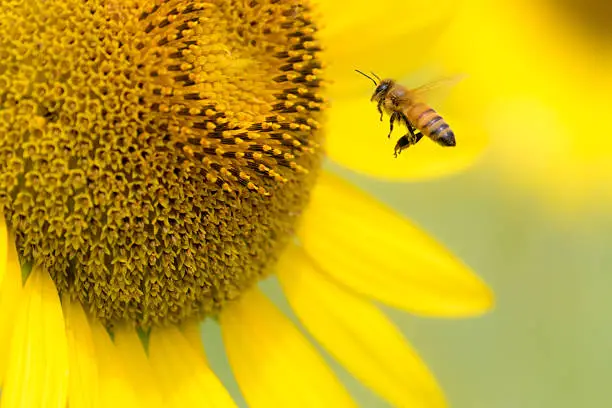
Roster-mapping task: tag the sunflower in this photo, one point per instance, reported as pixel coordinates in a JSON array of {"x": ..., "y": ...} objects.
[
  {"x": 159, "y": 159},
  {"x": 541, "y": 78}
]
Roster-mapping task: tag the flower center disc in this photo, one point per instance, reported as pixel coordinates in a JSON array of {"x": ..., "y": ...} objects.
[{"x": 155, "y": 155}]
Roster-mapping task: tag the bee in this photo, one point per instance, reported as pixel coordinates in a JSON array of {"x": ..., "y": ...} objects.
[{"x": 406, "y": 106}]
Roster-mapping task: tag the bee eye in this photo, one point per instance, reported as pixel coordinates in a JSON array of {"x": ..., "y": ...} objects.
[{"x": 381, "y": 88}]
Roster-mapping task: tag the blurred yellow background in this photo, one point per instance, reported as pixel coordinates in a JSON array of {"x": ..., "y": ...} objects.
[{"x": 532, "y": 217}]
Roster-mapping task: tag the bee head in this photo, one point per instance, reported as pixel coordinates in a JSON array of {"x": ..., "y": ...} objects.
[
  {"x": 382, "y": 86},
  {"x": 381, "y": 89}
]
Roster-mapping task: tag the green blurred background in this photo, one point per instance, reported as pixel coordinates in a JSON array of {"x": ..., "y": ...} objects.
[{"x": 548, "y": 341}]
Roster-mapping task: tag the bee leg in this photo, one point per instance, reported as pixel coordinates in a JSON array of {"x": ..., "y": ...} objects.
[
  {"x": 417, "y": 136},
  {"x": 402, "y": 143},
  {"x": 406, "y": 141},
  {"x": 394, "y": 117},
  {"x": 404, "y": 118},
  {"x": 379, "y": 106}
]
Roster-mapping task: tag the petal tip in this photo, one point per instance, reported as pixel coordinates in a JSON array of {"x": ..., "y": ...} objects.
[
  {"x": 488, "y": 300},
  {"x": 481, "y": 302}
]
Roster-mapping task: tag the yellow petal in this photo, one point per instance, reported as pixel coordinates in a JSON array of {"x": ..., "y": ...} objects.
[
  {"x": 191, "y": 331},
  {"x": 390, "y": 38},
  {"x": 363, "y": 15},
  {"x": 37, "y": 371},
  {"x": 11, "y": 293},
  {"x": 183, "y": 375},
  {"x": 136, "y": 365},
  {"x": 370, "y": 249},
  {"x": 83, "y": 380},
  {"x": 3, "y": 247},
  {"x": 357, "y": 139},
  {"x": 115, "y": 389},
  {"x": 539, "y": 129},
  {"x": 274, "y": 364},
  {"x": 357, "y": 334}
]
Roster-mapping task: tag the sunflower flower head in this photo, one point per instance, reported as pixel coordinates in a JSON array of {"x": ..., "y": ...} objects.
[
  {"x": 157, "y": 160},
  {"x": 153, "y": 162}
]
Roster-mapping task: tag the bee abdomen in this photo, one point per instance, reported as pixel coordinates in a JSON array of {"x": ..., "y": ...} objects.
[
  {"x": 437, "y": 129},
  {"x": 431, "y": 124},
  {"x": 442, "y": 133}
]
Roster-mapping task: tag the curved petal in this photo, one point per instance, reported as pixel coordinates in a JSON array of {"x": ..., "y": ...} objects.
[
  {"x": 274, "y": 364},
  {"x": 357, "y": 139},
  {"x": 373, "y": 251},
  {"x": 115, "y": 389},
  {"x": 11, "y": 294},
  {"x": 37, "y": 370},
  {"x": 83, "y": 379},
  {"x": 357, "y": 334},
  {"x": 185, "y": 378},
  {"x": 137, "y": 368}
]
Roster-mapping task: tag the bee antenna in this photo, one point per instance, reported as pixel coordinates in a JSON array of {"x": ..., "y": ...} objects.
[
  {"x": 369, "y": 77},
  {"x": 375, "y": 76}
]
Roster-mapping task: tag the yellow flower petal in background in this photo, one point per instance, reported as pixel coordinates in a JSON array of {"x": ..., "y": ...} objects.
[
  {"x": 114, "y": 390},
  {"x": 274, "y": 364},
  {"x": 389, "y": 37},
  {"x": 184, "y": 377},
  {"x": 544, "y": 87},
  {"x": 137, "y": 368},
  {"x": 83, "y": 379},
  {"x": 370, "y": 249},
  {"x": 357, "y": 334},
  {"x": 11, "y": 292},
  {"x": 37, "y": 370}
]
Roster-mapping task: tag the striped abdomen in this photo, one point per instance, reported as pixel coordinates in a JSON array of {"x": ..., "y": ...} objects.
[{"x": 430, "y": 124}]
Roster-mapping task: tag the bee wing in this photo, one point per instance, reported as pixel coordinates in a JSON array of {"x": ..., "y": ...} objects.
[{"x": 436, "y": 89}]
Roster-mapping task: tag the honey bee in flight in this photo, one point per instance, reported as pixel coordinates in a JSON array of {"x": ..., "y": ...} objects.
[{"x": 407, "y": 106}]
